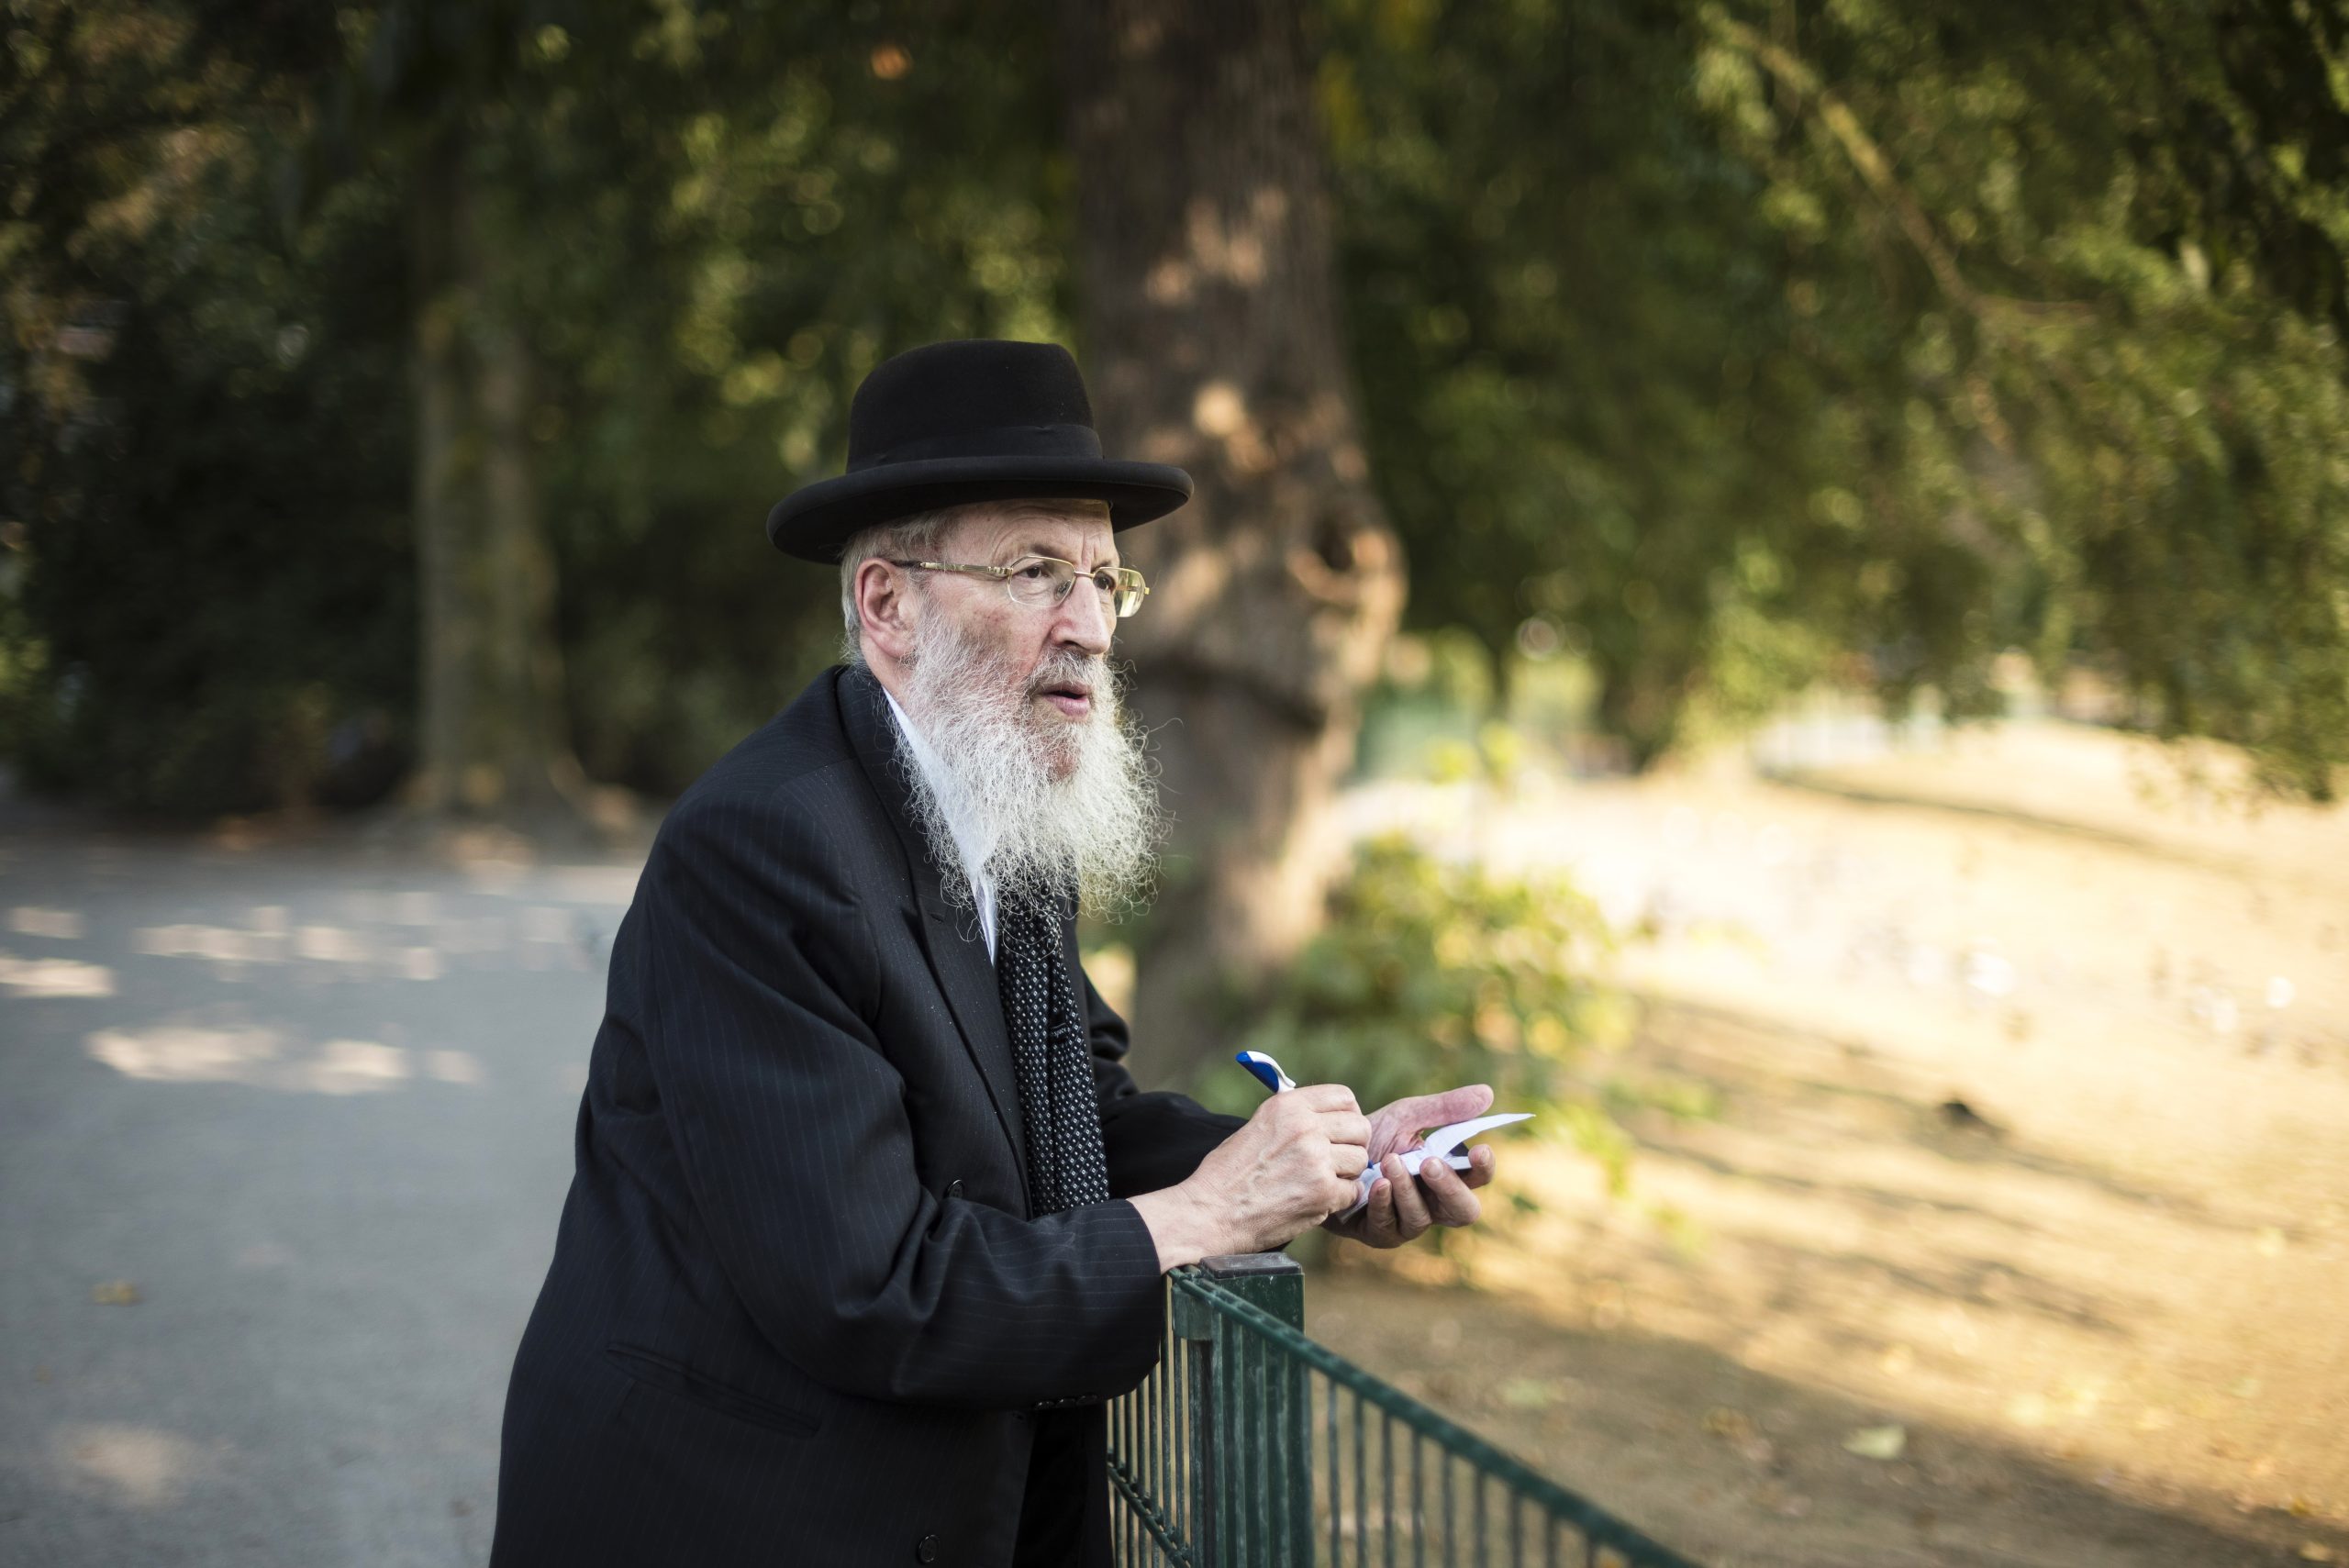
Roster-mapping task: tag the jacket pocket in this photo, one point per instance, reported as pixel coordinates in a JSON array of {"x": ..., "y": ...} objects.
[{"x": 676, "y": 1378}]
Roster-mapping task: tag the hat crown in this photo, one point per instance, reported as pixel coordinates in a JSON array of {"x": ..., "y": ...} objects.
[
  {"x": 956, "y": 423},
  {"x": 971, "y": 397}
]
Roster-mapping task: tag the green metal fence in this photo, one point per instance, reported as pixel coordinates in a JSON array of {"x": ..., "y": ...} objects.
[{"x": 1250, "y": 1446}]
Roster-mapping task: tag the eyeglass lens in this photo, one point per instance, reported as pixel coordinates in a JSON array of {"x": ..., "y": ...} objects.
[{"x": 1038, "y": 581}]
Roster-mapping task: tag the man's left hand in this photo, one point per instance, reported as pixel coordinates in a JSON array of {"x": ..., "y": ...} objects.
[{"x": 1399, "y": 1210}]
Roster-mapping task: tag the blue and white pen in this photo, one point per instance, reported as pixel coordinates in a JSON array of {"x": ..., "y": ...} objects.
[{"x": 1267, "y": 1071}]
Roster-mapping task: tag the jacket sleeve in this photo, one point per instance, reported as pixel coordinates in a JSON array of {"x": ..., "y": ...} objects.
[
  {"x": 791, "y": 1127},
  {"x": 1150, "y": 1141}
]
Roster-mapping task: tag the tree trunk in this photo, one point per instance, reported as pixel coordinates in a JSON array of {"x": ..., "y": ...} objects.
[
  {"x": 1212, "y": 341},
  {"x": 492, "y": 737}
]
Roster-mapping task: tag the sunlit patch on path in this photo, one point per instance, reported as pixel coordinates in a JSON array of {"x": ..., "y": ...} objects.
[
  {"x": 138, "y": 1467},
  {"x": 54, "y": 977},
  {"x": 265, "y": 1058},
  {"x": 63, "y": 925}
]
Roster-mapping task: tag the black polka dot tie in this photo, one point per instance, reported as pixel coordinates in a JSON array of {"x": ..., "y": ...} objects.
[{"x": 1052, "y": 1055}]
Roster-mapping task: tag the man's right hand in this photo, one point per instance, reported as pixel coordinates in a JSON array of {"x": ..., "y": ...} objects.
[{"x": 1293, "y": 1165}]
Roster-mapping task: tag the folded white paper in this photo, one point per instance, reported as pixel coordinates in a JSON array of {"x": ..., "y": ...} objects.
[{"x": 1443, "y": 1143}]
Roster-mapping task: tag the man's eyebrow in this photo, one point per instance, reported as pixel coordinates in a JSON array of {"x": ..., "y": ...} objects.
[{"x": 1033, "y": 548}]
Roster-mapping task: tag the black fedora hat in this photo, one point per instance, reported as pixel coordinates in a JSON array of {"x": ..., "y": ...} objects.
[{"x": 978, "y": 419}]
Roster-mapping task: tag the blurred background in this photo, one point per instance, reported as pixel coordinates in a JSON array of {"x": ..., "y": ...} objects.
[{"x": 1769, "y": 576}]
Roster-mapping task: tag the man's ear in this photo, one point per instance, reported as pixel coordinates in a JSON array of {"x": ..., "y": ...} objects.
[{"x": 885, "y": 608}]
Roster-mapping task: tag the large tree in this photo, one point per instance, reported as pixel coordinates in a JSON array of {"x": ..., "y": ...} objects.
[
  {"x": 441, "y": 97},
  {"x": 1213, "y": 339},
  {"x": 491, "y": 729}
]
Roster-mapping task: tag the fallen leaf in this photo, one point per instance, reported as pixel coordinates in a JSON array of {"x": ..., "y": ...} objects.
[
  {"x": 1527, "y": 1393},
  {"x": 1724, "y": 1422},
  {"x": 115, "y": 1293},
  {"x": 2317, "y": 1552},
  {"x": 1878, "y": 1443}
]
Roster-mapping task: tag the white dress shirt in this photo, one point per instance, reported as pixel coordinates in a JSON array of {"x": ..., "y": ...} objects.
[{"x": 967, "y": 843}]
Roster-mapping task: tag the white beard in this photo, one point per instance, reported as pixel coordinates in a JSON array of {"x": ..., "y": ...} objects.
[{"x": 1049, "y": 805}]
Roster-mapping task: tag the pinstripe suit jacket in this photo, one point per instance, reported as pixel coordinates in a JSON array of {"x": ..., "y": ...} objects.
[{"x": 798, "y": 1311}]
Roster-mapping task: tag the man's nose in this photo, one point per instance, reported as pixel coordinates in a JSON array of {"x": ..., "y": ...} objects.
[{"x": 1083, "y": 618}]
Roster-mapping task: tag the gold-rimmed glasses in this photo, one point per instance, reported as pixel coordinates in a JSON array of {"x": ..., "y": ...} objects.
[{"x": 1035, "y": 580}]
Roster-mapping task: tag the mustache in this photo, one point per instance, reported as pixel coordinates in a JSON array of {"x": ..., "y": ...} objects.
[
  {"x": 1091, "y": 673},
  {"x": 1067, "y": 664}
]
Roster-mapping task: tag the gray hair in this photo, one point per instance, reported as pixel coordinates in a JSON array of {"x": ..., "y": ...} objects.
[{"x": 919, "y": 536}]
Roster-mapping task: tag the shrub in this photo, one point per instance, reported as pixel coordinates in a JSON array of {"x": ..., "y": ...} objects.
[{"x": 1431, "y": 975}]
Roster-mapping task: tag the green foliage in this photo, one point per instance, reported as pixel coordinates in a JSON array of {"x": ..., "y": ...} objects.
[
  {"x": 710, "y": 220},
  {"x": 203, "y": 470},
  {"x": 1718, "y": 347},
  {"x": 2094, "y": 279},
  {"x": 1590, "y": 423},
  {"x": 802, "y": 218},
  {"x": 1729, "y": 339},
  {"x": 1429, "y": 975}
]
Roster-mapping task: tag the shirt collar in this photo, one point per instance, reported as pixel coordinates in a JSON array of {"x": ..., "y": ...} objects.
[{"x": 967, "y": 843}]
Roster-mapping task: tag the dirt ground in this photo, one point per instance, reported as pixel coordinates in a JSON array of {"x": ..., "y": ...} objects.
[{"x": 2017, "y": 1231}]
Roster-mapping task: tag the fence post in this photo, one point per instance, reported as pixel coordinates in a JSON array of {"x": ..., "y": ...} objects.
[
  {"x": 1254, "y": 1478},
  {"x": 1194, "y": 1325}
]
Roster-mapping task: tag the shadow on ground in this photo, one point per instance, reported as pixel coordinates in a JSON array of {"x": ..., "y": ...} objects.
[{"x": 1739, "y": 1468}]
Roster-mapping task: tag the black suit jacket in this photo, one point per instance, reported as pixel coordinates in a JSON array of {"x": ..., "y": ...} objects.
[{"x": 798, "y": 1311}]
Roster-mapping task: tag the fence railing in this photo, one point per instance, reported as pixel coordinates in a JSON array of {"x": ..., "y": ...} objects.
[{"x": 1250, "y": 1446}]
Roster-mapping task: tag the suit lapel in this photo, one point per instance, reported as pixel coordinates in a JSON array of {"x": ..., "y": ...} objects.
[{"x": 950, "y": 936}]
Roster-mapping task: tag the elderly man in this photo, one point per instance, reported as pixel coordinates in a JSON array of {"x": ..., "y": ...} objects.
[{"x": 868, "y": 1217}]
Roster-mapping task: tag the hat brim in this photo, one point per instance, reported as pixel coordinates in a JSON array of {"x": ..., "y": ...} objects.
[{"x": 816, "y": 521}]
